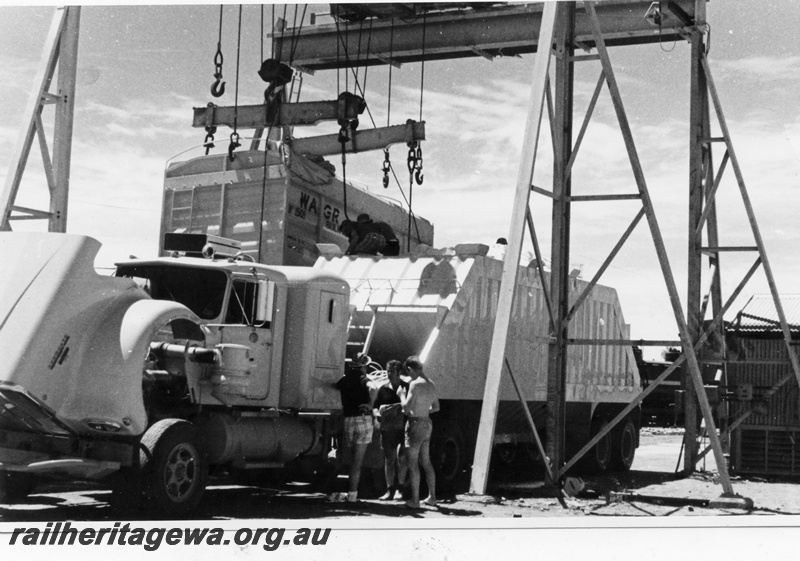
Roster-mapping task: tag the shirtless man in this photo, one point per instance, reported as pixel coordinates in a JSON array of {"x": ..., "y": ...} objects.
[{"x": 420, "y": 401}]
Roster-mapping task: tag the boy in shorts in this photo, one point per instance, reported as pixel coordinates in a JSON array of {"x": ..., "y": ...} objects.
[{"x": 418, "y": 403}]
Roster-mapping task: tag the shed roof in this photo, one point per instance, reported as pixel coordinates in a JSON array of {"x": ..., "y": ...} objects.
[{"x": 759, "y": 314}]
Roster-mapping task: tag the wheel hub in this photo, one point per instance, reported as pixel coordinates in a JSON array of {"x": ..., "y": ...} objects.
[{"x": 180, "y": 475}]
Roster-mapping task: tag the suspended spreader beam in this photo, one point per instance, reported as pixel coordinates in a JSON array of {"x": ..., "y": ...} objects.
[
  {"x": 288, "y": 114},
  {"x": 360, "y": 141}
]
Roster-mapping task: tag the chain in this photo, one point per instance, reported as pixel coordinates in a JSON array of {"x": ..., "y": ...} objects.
[
  {"x": 209, "y": 141},
  {"x": 414, "y": 162},
  {"x": 387, "y": 167},
  {"x": 233, "y": 145}
]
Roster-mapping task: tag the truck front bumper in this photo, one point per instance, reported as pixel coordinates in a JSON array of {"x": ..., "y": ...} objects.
[{"x": 33, "y": 440}]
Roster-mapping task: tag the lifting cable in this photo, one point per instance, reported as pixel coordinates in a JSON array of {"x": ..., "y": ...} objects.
[
  {"x": 340, "y": 43},
  {"x": 348, "y": 128},
  {"x": 268, "y": 132},
  {"x": 234, "y": 144},
  {"x": 283, "y": 31},
  {"x": 414, "y": 160},
  {"x": 342, "y": 137},
  {"x": 296, "y": 33},
  {"x": 387, "y": 164},
  {"x": 218, "y": 87},
  {"x": 261, "y": 35}
]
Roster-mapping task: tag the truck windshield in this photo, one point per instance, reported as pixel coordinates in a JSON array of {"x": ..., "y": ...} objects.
[{"x": 200, "y": 290}]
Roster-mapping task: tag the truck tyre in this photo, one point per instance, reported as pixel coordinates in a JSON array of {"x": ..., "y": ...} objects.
[
  {"x": 448, "y": 456},
  {"x": 623, "y": 445},
  {"x": 15, "y": 486},
  {"x": 173, "y": 468},
  {"x": 506, "y": 454},
  {"x": 599, "y": 457}
]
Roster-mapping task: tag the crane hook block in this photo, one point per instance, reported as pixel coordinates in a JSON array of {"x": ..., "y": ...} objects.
[{"x": 275, "y": 72}]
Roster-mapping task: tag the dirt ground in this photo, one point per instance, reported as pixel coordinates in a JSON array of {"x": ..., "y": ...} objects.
[{"x": 651, "y": 488}]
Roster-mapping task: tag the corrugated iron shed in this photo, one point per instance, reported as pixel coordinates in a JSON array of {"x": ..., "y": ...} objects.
[{"x": 759, "y": 314}]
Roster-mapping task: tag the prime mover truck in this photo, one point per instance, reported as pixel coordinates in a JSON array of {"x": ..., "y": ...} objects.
[{"x": 203, "y": 358}]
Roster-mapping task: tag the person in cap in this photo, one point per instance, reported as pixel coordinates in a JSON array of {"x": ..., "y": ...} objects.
[{"x": 498, "y": 250}]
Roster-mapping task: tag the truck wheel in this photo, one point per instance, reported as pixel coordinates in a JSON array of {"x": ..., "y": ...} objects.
[
  {"x": 15, "y": 486},
  {"x": 599, "y": 457},
  {"x": 173, "y": 470},
  {"x": 506, "y": 454},
  {"x": 448, "y": 456},
  {"x": 623, "y": 446}
]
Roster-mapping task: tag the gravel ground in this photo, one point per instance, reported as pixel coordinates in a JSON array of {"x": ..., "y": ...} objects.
[{"x": 651, "y": 488}]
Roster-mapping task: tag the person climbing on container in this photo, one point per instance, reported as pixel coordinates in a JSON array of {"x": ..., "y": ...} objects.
[
  {"x": 369, "y": 238},
  {"x": 418, "y": 403},
  {"x": 389, "y": 412},
  {"x": 392, "y": 246},
  {"x": 357, "y": 412},
  {"x": 498, "y": 250}
]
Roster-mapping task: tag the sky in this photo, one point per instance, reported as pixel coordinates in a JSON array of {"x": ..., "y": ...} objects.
[{"x": 142, "y": 68}]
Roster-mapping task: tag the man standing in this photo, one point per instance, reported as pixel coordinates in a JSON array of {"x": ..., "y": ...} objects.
[
  {"x": 418, "y": 403},
  {"x": 357, "y": 412},
  {"x": 392, "y": 423}
]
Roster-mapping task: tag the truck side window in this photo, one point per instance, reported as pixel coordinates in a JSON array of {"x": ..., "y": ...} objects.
[{"x": 242, "y": 303}]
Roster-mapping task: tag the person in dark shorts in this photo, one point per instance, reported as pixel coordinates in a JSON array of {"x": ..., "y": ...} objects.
[
  {"x": 357, "y": 412},
  {"x": 418, "y": 403},
  {"x": 389, "y": 411}
]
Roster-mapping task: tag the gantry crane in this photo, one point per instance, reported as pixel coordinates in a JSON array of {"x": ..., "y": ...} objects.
[
  {"x": 60, "y": 53},
  {"x": 403, "y": 33}
]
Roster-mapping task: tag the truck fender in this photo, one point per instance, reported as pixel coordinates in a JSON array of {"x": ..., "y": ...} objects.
[
  {"x": 139, "y": 327},
  {"x": 145, "y": 317}
]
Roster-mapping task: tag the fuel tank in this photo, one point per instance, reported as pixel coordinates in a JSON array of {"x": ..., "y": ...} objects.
[{"x": 267, "y": 438}]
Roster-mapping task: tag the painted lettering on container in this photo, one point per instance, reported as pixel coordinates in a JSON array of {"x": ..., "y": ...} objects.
[
  {"x": 331, "y": 215},
  {"x": 307, "y": 207}
]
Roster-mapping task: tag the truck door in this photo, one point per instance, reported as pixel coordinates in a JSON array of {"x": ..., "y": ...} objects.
[
  {"x": 330, "y": 351},
  {"x": 248, "y": 323}
]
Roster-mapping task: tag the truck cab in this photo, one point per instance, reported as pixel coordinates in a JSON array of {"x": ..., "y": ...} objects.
[{"x": 198, "y": 358}]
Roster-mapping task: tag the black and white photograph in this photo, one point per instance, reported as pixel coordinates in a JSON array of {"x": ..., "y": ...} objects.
[{"x": 432, "y": 280}]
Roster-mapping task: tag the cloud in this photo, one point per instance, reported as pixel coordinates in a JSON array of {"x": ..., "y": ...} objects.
[{"x": 764, "y": 68}]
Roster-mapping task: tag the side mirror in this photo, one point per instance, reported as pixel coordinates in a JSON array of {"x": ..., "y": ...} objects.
[{"x": 266, "y": 301}]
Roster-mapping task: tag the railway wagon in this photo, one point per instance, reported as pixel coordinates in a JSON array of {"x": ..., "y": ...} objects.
[
  {"x": 442, "y": 307},
  {"x": 277, "y": 205}
]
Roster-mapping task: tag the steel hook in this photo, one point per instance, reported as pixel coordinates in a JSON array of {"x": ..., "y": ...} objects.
[
  {"x": 218, "y": 88},
  {"x": 419, "y": 177}
]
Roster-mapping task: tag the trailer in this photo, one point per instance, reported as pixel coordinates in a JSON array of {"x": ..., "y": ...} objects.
[{"x": 442, "y": 306}]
